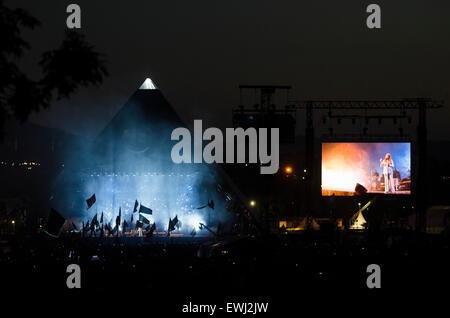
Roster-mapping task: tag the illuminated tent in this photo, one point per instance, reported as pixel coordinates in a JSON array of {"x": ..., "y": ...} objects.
[
  {"x": 304, "y": 225},
  {"x": 130, "y": 159},
  {"x": 358, "y": 221},
  {"x": 315, "y": 225}
]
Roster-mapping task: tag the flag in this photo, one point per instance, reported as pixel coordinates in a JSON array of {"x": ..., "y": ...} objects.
[
  {"x": 143, "y": 209},
  {"x": 150, "y": 230},
  {"x": 143, "y": 219},
  {"x": 54, "y": 224},
  {"x": 93, "y": 225},
  {"x": 94, "y": 221},
  {"x": 210, "y": 204},
  {"x": 91, "y": 201},
  {"x": 108, "y": 228},
  {"x": 139, "y": 224},
  {"x": 171, "y": 227},
  {"x": 173, "y": 223},
  {"x": 135, "y": 206},
  {"x": 119, "y": 217}
]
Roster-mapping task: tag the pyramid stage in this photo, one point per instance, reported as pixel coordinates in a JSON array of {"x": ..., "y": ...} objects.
[{"x": 131, "y": 160}]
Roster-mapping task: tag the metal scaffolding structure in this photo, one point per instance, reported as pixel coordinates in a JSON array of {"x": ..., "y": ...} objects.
[
  {"x": 264, "y": 113},
  {"x": 421, "y": 105}
]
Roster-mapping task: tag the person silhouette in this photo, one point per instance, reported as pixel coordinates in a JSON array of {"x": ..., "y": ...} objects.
[{"x": 388, "y": 164}]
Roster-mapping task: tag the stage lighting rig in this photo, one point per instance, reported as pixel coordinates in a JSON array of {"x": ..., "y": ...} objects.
[
  {"x": 264, "y": 113},
  {"x": 360, "y": 108}
]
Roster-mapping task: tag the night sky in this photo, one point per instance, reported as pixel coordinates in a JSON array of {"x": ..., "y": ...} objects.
[{"x": 198, "y": 52}]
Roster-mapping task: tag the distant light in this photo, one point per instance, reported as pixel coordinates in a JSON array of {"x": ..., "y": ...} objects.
[
  {"x": 13, "y": 222},
  {"x": 288, "y": 169},
  {"x": 252, "y": 203},
  {"x": 148, "y": 84},
  {"x": 304, "y": 170}
]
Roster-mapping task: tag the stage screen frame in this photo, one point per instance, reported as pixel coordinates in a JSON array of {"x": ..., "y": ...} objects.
[{"x": 404, "y": 185}]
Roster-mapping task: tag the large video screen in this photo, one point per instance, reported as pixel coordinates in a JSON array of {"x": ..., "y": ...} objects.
[{"x": 349, "y": 168}]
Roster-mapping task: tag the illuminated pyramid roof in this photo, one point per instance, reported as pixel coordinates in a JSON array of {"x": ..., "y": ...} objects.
[
  {"x": 143, "y": 125},
  {"x": 148, "y": 84}
]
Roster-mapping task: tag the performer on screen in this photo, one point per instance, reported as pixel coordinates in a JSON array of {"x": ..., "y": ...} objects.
[{"x": 388, "y": 169}]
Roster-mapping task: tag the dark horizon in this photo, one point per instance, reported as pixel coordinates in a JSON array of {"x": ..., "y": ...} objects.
[{"x": 198, "y": 54}]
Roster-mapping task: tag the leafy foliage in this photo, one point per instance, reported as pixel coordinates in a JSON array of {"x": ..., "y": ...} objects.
[{"x": 73, "y": 65}]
